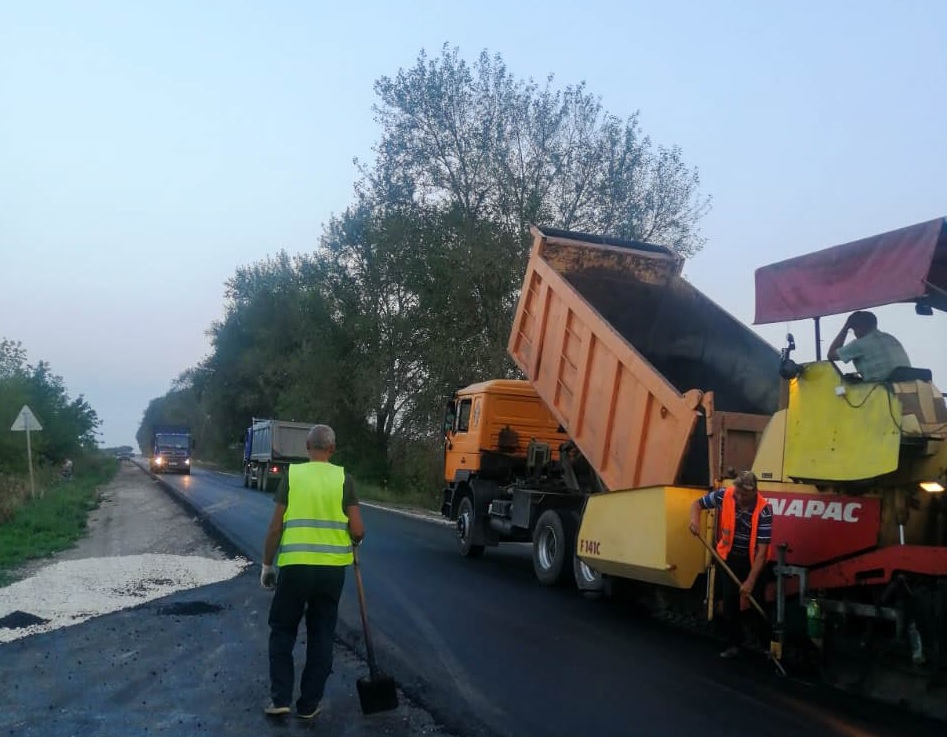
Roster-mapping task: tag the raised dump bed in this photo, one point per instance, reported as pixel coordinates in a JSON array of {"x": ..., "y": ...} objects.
[{"x": 624, "y": 352}]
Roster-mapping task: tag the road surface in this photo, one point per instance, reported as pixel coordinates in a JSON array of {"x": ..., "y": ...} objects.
[
  {"x": 488, "y": 651},
  {"x": 148, "y": 626}
]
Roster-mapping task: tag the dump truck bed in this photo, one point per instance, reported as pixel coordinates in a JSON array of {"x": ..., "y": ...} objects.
[
  {"x": 623, "y": 350},
  {"x": 280, "y": 440}
]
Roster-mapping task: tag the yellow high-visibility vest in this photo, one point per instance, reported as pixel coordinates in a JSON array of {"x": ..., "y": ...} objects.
[{"x": 315, "y": 529}]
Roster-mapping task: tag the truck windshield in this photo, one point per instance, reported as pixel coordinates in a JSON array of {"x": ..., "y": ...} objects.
[{"x": 172, "y": 441}]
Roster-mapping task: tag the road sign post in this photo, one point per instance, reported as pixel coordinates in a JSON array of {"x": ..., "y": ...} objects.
[{"x": 26, "y": 422}]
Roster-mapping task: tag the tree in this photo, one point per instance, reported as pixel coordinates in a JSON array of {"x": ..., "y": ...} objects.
[
  {"x": 68, "y": 424},
  {"x": 472, "y": 156},
  {"x": 514, "y": 152}
]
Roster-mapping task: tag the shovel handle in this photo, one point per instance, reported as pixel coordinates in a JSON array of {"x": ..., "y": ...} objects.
[
  {"x": 732, "y": 575},
  {"x": 361, "y": 606}
]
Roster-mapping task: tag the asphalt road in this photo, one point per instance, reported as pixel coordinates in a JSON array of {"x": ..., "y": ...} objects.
[{"x": 488, "y": 651}]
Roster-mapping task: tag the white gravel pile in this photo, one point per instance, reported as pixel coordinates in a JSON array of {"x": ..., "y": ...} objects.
[{"x": 74, "y": 591}]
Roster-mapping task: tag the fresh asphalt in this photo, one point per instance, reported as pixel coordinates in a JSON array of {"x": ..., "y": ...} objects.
[{"x": 480, "y": 645}]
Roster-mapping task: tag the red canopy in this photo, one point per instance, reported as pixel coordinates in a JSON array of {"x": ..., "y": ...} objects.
[{"x": 900, "y": 266}]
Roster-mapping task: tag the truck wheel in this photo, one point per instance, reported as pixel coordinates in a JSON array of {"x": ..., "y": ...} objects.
[
  {"x": 553, "y": 547},
  {"x": 466, "y": 519},
  {"x": 246, "y": 478},
  {"x": 586, "y": 580}
]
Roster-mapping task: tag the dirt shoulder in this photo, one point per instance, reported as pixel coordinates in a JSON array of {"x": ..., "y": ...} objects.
[{"x": 135, "y": 516}]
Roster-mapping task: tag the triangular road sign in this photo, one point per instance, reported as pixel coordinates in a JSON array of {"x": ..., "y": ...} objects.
[{"x": 26, "y": 420}]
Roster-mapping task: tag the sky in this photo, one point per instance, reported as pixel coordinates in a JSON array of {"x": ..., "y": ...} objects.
[{"x": 148, "y": 150}]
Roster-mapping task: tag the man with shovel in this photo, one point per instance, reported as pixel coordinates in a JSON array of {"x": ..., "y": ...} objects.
[
  {"x": 315, "y": 523},
  {"x": 746, "y": 525}
]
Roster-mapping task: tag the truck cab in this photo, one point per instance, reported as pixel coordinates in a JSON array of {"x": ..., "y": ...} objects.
[
  {"x": 171, "y": 451},
  {"x": 490, "y": 428}
]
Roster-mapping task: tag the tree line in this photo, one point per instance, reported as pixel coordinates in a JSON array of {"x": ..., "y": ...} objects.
[
  {"x": 68, "y": 424},
  {"x": 410, "y": 291}
]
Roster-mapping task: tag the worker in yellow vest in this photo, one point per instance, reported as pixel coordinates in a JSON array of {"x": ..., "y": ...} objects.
[
  {"x": 315, "y": 523},
  {"x": 744, "y": 543}
]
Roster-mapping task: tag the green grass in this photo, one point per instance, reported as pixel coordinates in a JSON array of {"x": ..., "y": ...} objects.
[
  {"x": 52, "y": 522},
  {"x": 429, "y": 500}
]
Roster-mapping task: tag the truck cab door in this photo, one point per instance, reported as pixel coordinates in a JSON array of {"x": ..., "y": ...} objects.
[{"x": 457, "y": 446}]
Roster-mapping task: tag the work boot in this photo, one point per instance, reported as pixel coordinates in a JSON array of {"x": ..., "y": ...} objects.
[
  {"x": 306, "y": 712},
  {"x": 276, "y": 711}
]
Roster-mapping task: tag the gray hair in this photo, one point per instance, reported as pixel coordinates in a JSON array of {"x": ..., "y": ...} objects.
[{"x": 320, "y": 437}]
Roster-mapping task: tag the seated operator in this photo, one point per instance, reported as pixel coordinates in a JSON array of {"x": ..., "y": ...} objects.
[{"x": 874, "y": 353}]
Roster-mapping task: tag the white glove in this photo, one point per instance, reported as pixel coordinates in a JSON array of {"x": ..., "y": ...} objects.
[{"x": 268, "y": 577}]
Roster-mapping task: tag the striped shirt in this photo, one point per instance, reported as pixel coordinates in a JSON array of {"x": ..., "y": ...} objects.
[{"x": 741, "y": 536}]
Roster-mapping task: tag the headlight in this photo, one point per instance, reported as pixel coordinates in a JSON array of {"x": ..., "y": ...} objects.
[{"x": 187, "y": 461}]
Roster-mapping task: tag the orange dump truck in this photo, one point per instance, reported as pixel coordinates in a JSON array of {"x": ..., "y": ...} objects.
[{"x": 613, "y": 342}]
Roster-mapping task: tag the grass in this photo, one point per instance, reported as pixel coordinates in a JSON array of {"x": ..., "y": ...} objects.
[
  {"x": 53, "y": 520},
  {"x": 429, "y": 500}
]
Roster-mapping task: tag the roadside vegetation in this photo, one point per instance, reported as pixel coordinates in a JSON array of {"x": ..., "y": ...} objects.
[
  {"x": 37, "y": 526},
  {"x": 428, "y": 499},
  {"x": 34, "y": 525}
]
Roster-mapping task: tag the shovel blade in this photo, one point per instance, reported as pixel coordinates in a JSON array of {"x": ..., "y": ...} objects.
[{"x": 377, "y": 694}]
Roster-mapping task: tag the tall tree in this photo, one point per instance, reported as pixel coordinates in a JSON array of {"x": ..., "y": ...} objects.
[{"x": 512, "y": 151}]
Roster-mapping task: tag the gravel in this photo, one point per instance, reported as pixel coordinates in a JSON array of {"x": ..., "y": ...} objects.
[
  {"x": 124, "y": 561},
  {"x": 74, "y": 591}
]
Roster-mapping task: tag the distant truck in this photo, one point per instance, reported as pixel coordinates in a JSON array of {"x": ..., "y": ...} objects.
[
  {"x": 269, "y": 447},
  {"x": 171, "y": 449}
]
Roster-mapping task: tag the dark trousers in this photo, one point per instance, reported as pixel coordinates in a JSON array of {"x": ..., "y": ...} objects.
[
  {"x": 312, "y": 591},
  {"x": 729, "y": 595}
]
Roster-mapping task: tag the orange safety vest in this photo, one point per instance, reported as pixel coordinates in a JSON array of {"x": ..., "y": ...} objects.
[{"x": 728, "y": 524}]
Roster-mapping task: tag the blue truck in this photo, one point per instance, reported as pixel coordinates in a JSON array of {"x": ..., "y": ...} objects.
[{"x": 171, "y": 449}]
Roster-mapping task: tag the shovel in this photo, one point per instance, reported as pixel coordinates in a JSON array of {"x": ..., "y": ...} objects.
[
  {"x": 378, "y": 692},
  {"x": 775, "y": 647}
]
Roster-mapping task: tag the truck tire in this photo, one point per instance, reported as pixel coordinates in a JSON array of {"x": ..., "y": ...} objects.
[
  {"x": 466, "y": 519},
  {"x": 553, "y": 547},
  {"x": 586, "y": 580},
  {"x": 590, "y": 582},
  {"x": 246, "y": 478}
]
